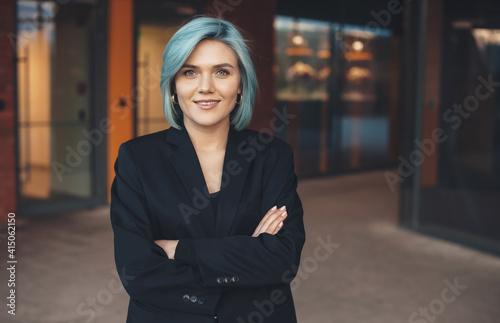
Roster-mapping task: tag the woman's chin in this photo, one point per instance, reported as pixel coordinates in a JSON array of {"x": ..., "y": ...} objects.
[{"x": 209, "y": 122}]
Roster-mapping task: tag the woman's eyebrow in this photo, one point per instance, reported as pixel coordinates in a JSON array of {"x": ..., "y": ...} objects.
[
  {"x": 189, "y": 66},
  {"x": 215, "y": 66},
  {"x": 223, "y": 65}
]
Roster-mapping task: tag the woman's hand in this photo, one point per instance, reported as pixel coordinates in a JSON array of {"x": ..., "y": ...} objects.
[
  {"x": 271, "y": 222},
  {"x": 168, "y": 246}
]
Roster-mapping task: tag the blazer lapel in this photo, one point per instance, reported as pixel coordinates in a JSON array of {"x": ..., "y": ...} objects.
[
  {"x": 188, "y": 168},
  {"x": 235, "y": 171}
]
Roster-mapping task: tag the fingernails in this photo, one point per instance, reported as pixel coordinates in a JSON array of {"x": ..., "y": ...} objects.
[
  {"x": 283, "y": 207},
  {"x": 281, "y": 224},
  {"x": 283, "y": 214},
  {"x": 274, "y": 208}
]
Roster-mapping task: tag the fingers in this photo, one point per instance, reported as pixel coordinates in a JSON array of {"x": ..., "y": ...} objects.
[
  {"x": 276, "y": 225},
  {"x": 266, "y": 216},
  {"x": 272, "y": 222}
]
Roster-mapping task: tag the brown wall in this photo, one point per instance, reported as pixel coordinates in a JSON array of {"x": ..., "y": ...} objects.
[
  {"x": 120, "y": 78},
  {"x": 256, "y": 19},
  {"x": 7, "y": 113}
]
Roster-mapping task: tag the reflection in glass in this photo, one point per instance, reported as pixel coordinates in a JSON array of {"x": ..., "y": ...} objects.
[
  {"x": 53, "y": 101},
  {"x": 334, "y": 79}
]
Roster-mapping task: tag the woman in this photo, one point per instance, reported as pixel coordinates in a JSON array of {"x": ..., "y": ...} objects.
[{"x": 207, "y": 222}]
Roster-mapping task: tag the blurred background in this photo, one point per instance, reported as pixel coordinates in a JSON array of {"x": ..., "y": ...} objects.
[{"x": 392, "y": 108}]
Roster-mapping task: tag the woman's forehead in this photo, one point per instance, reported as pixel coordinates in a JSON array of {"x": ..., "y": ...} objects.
[{"x": 210, "y": 52}]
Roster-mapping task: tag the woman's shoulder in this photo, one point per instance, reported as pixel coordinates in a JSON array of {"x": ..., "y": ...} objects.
[
  {"x": 263, "y": 142},
  {"x": 147, "y": 139}
]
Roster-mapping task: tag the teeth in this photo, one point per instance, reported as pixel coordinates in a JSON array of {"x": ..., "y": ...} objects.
[{"x": 207, "y": 103}]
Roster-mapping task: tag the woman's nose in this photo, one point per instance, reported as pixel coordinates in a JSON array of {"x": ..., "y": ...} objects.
[{"x": 206, "y": 84}]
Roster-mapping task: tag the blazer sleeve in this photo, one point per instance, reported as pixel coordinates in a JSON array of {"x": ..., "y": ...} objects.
[
  {"x": 252, "y": 261},
  {"x": 146, "y": 272}
]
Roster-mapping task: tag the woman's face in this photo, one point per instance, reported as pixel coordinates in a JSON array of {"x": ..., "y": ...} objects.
[{"x": 207, "y": 84}]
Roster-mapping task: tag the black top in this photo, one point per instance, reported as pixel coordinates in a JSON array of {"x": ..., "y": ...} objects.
[
  {"x": 185, "y": 250},
  {"x": 210, "y": 223},
  {"x": 214, "y": 197}
]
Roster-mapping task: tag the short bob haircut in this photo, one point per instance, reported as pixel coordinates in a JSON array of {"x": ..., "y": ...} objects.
[{"x": 180, "y": 47}]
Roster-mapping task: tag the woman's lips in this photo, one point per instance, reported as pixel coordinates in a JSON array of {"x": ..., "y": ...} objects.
[{"x": 207, "y": 104}]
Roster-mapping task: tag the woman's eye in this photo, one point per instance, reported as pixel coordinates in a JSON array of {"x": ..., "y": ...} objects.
[
  {"x": 222, "y": 72},
  {"x": 189, "y": 73}
]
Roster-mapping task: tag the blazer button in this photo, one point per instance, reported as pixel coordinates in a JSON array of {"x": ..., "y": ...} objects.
[
  {"x": 185, "y": 297},
  {"x": 235, "y": 279},
  {"x": 201, "y": 300},
  {"x": 220, "y": 280},
  {"x": 227, "y": 280},
  {"x": 193, "y": 299}
]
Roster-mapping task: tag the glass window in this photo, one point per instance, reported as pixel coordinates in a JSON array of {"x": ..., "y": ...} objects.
[
  {"x": 466, "y": 196},
  {"x": 333, "y": 79}
]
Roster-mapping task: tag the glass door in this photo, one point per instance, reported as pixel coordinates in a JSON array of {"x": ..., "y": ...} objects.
[{"x": 57, "y": 139}]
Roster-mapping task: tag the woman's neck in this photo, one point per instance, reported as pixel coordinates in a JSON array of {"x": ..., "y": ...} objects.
[{"x": 208, "y": 138}]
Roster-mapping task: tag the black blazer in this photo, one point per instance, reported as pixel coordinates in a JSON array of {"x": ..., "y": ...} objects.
[{"x": 159, "y": 192}]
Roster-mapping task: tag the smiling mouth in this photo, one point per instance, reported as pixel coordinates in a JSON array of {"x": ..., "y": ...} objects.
[{"x": 207, "y": 104}]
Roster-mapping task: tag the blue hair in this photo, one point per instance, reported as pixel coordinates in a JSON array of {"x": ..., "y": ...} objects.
[{"x": 180, "y": 47}]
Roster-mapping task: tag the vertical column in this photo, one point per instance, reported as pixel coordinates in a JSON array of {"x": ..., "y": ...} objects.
[
  {"x": 120, "y": 78},
  {"x": 8, "y": 142},
  {"x": 395, "y": 100},
  {"x": 412, "y": 92},
  {"x": 432, "y": 90}
]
